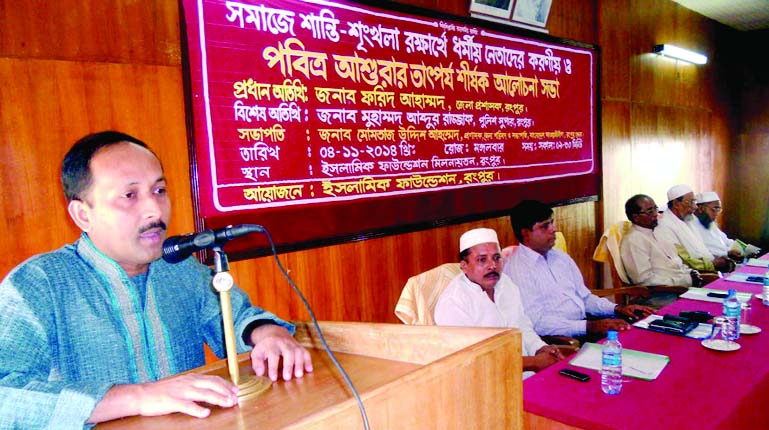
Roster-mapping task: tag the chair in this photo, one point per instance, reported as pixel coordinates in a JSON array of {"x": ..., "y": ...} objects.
[
  {"x": 416, "y": 304},
  {"x": 608, "y": 252}
]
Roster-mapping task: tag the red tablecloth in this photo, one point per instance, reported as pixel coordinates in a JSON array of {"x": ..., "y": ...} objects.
[{"x": 699, "y": 389}]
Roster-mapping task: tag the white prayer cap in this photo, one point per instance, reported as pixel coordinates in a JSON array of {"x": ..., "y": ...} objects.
[
  {"x": 678, "y": 191},
  {"x": 707, "y": 197},
  {"x": 475, "y": 236}
]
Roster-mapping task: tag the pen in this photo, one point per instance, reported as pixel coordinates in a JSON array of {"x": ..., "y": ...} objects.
[{"x": 639, "y": 371}]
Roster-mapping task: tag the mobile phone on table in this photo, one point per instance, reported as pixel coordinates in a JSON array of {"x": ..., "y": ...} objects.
[
  {"x": 719, "y": 295},
  {"x": 571, "y": 373}
]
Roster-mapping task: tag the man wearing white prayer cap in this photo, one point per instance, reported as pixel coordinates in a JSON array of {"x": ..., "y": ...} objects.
[
  {"x": 679, "y": 192},
  {"x": 483, "y": 297},
  {"x": 673, "y": 226},
  {"x": 703, "y": 222}
]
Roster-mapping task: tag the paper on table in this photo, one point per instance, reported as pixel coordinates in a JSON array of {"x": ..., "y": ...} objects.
[
  {"x": 755, "y": 262},
  {"x": 744, "y": 248},
  {"x": 702, "y": 331},
  {"x": 748, "y": 278},
  {"x": 702, "y": 295},
  {"x": 636, "y": 364}
]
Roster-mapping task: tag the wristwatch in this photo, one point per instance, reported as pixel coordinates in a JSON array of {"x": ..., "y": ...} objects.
[{"x": 696, "y": 279}]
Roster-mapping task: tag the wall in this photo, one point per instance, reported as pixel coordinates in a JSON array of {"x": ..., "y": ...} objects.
[
  {"x": 665, "y": 121},
  {"x": 746, "y": 207},
  {"x": 73, "y": 67}
]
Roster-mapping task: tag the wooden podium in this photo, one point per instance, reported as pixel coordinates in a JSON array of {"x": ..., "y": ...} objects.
[{"x": 408, "y": 377}]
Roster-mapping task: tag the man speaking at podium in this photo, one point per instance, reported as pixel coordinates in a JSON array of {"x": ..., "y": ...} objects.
[{"x": 95, "y": 330}]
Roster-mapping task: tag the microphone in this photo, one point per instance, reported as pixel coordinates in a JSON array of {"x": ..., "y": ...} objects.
[{"x": 177, "y": 248}]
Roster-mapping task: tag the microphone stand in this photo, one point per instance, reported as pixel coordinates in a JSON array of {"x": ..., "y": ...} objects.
[{"x": 249, "y": 385}]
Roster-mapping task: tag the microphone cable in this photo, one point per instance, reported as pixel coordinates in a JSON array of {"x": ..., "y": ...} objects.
[{"x": 320, "y": 333}]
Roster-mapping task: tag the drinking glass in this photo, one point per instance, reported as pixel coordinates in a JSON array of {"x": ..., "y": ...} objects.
[
  {"x": 715, "y": 327},
  {"x": 746, "y": 308},
  {"x": 729, "y": 332}
]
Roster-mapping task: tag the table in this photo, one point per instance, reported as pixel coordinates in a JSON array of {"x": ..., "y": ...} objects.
[{"x": 699, "y": 389}]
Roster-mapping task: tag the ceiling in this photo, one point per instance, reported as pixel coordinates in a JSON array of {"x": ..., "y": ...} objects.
[{"x": 744, "y": 15}]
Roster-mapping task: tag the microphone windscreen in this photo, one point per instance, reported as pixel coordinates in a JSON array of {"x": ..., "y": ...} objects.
[{"x": 172, "y": 252}]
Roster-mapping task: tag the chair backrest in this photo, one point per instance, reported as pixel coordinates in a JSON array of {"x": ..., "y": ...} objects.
[
  {"x": 560, "y": 242},
  {"x": 420, "y": 294},
  {"x": 608, "y": 250}
]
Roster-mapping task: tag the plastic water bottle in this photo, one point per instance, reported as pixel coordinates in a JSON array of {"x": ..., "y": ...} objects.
[
  {"x": 732, "y": 310},
  {"x": 611, "y": 364},
  {"x": 765, "y": 294}
]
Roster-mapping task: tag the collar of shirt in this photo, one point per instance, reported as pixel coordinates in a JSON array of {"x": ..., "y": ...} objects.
[
  {"x": 644, "y": 230},
  {"x": 531, "y": 256},
  {"x": 672, "y": 219}
]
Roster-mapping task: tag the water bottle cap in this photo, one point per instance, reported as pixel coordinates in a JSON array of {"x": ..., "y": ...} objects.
[
  {"x": 732, "y": 292},
  {"x": 611, "y": 335}
]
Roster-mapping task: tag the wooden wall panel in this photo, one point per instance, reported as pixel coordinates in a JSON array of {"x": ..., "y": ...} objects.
[
  {"x": 573, "y": 19},
  {"x": 578, "y": 224},
  {"x": 664, "y": 121},
  {"x": 453, "y": 7},
  {"x": 47, "y": 105},
  {"x": 661, "y": 80},
  {"x": 746, "y": 207},
  {"x": 619, "y": 182},
  {"x": 669, "y": 146},
  {"x": 123, "y": 31},
  {"x": 614, "y": 39}
]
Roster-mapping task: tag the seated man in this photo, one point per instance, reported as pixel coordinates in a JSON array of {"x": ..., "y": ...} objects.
[
  {"x": 554, "y": 294},
  {"x": 674, "y": 228},
  {"x": 703, "y": 222},
  {"x": 651, "y": 260},
  {"x": 99, "y": 329},
  {"x": 482, "y": 297}
]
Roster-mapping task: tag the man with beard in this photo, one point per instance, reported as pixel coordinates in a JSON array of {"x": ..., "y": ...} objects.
[
  {"x": 554, "y": 294},
  {"x": 98, "y": 329},
  {"x": 482, "y": 297},
  {"x": 673, "y": 227},
  {"x": 703, "y": 222}
]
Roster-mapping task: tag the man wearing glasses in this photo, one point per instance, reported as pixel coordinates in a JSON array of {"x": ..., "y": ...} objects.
[
  {"x": 703, "y": 222},
  {"x": 691, "y": 248},
  {"x": 649, "y": 258}
]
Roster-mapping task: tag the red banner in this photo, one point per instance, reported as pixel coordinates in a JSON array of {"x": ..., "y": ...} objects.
[{"x": 300, "y": 103}]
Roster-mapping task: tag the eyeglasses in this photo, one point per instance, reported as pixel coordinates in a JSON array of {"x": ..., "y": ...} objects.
[
  {"x": 689, "y": 202},
  {"x": 651, "y": 211}
]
